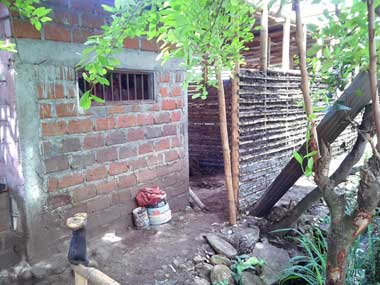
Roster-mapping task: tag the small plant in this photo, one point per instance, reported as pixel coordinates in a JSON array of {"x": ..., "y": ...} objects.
[{"x": 242, "y": 263}]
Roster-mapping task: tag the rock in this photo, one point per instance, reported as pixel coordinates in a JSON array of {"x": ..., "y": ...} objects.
[
  {"x": 56, "y": 264},
  {"x": 200, "y": 281},
  {"x": 221, "y": 274},
  {"x": 198, "y": 259},
  {"x": 220, "y": 259},
  {"x": 221, "y": 246},
  {"x": 276, "y": 260},
  {"x": 250, "y": 278},
  {"x": 204, "y": 269},
  {"x": 245, "y": 239}
]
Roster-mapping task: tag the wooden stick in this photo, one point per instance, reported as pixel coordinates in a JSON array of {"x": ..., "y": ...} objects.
[
  {"x": 286, "y": 44},
  {"x": 235, "y": 130},
  {"x": 264, "y": 38},
  {"x": 197, "y": 200},
  {"x": 92, "y": 275}
]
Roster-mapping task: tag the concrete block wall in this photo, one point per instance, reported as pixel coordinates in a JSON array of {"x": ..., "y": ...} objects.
[{"x": 93, "y": 161}]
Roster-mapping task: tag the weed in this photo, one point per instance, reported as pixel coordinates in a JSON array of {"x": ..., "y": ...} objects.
[{"x": 242, "y": 263}]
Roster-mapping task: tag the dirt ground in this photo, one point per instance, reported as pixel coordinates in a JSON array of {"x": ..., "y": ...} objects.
[{"x": 163, "y": 255}]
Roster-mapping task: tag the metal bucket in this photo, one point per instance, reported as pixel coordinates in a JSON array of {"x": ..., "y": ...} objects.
[{"x": 141, "y": 218}]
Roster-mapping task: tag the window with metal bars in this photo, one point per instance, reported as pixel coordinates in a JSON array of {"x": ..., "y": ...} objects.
[{"x": 125, "y": 86}]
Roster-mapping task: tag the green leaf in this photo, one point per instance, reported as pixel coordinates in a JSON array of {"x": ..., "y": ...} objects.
[
  {"x": 298, "y": 157},
  {"x": 97, "y": 99},
  {"x": 359, "y": 93},
  {"x": 85, "y": 100}
]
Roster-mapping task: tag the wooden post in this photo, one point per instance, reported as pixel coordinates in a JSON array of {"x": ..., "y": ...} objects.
[
  {"x": 286, "y": 43},
  {"x": 235, "y": 130},
  {"x": 269, "y": 51},
  {"x": 79, "y": 279},
  {"x": 264, "y": 38}
]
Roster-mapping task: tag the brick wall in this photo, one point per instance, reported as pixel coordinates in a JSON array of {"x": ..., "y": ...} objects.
[
  {"x": 73, "y": 21},
  {"x": 98, "y": 160},
  {"x": 93, "y": 161},
  {"x": 9, "y": 150}
]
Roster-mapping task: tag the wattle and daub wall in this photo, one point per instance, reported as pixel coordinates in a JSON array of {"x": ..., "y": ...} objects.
[
  {"x": 272, "y": 125},
  {"x": 91, "y": 161}
]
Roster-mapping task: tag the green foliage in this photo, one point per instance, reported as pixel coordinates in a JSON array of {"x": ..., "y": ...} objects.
[
  {"x": 343, "y": 44},
  {"x": 29, "y": 9},
  {"x": 310, "y": 267},
  {"x": 243, "y": 263},
  {"x": 199, "y": 32}
]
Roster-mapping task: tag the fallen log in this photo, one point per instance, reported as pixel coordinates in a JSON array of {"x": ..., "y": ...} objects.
[
  {"x": 356, "y": 96},
  {"x": 197, "y": 201}
]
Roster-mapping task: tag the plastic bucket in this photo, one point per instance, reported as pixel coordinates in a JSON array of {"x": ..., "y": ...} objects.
[
  {"x": 141, "y": 218},
  {"x": 159, "y": 213},
  {"x": 160, "y": 219}
]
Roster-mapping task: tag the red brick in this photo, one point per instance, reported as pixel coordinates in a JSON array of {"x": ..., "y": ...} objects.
[
  {"x": 65, "y": 110},
  {"x": 57, "y": 201},
  {"x": 23, "y": 29},
  {"x": 162, "y": 118},
  {"x": 55, "y": 91},
  {"x": 179, "y": 103},
  {"x": 144, "y": 119},
  {"x": 171, "y": 155},
  {"x": 176, "y": 116},
  {"x": 162, "y": 144},
  {"x": 176, "y": 142},
  {"x": 92, "y": 21},
  {"x": 56, "y": 32},
  {"x": 126, "y": 121},
  {"x": 169, "y": 104},
  {"x": 96, "y": 173},
  {"x": 80, "y": 126},
  {"x": 164, "y": 77},
  {"x": 164, "y": 92},
  {"x": 82, "y": 160},
  {"x": 52, "y": 184},
  {"x": 71, "y": 145},
  {"x": 131, "y": 43},
  {"x": 108, "y": 154},
  {"x": 45, "y": 111},
  {"x": 115, "y": 137},
  {"x": 65, "y": 17},
  {"x": 149, "y": 45},
  {"x": 40, "y": 91},
  {"x": 116, "y": 168},
  {"x": 127, "y": 152},
  {"x": 135, "y": 135},
  {"x": 70, "y": 180},
  {"x": 57, "y": 163},
  {"x": 154, "y": 159},
  {"x": 104, "y": 124},
  {"x": 83, "y": 193},
  {"x": 145, "y": 148},
  {"x": 98, "y": 203},
  {"x": 126, "y": 181},
  {"x": 146, "y": 175},
  {"x": 106, "y": 187},
  {"x": 176, "y": 91},
  {"x": 54, "y": 128},
  {"x": 169, "y": 130},
  {"x": 154, "y": 107},
  {"x": 81, "y": 35},
  {"x": 93, "y": 141},
  {"x": 137, "y": 164}
]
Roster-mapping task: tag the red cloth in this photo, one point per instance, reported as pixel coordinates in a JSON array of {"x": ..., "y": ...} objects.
[{"x": 149, "y": 196}]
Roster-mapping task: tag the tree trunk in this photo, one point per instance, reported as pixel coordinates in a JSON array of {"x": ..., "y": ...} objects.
[
  {"x": 338, "y": 176},
  {"x": 235, "y": 131},
  {"x": 372, "y": 68},
  {"x": 264, "y": 38},
  {"x": 305, "y": 79},
  {"x": 226, "y": 148}
]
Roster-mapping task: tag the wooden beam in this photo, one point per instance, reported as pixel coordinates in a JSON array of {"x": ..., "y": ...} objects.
[
  {"x": 286, "y": 44},
  {"x": 264, "y": 38},
  {"x": 92, "y": 275},
  {"x": 331, "y": 126}
]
